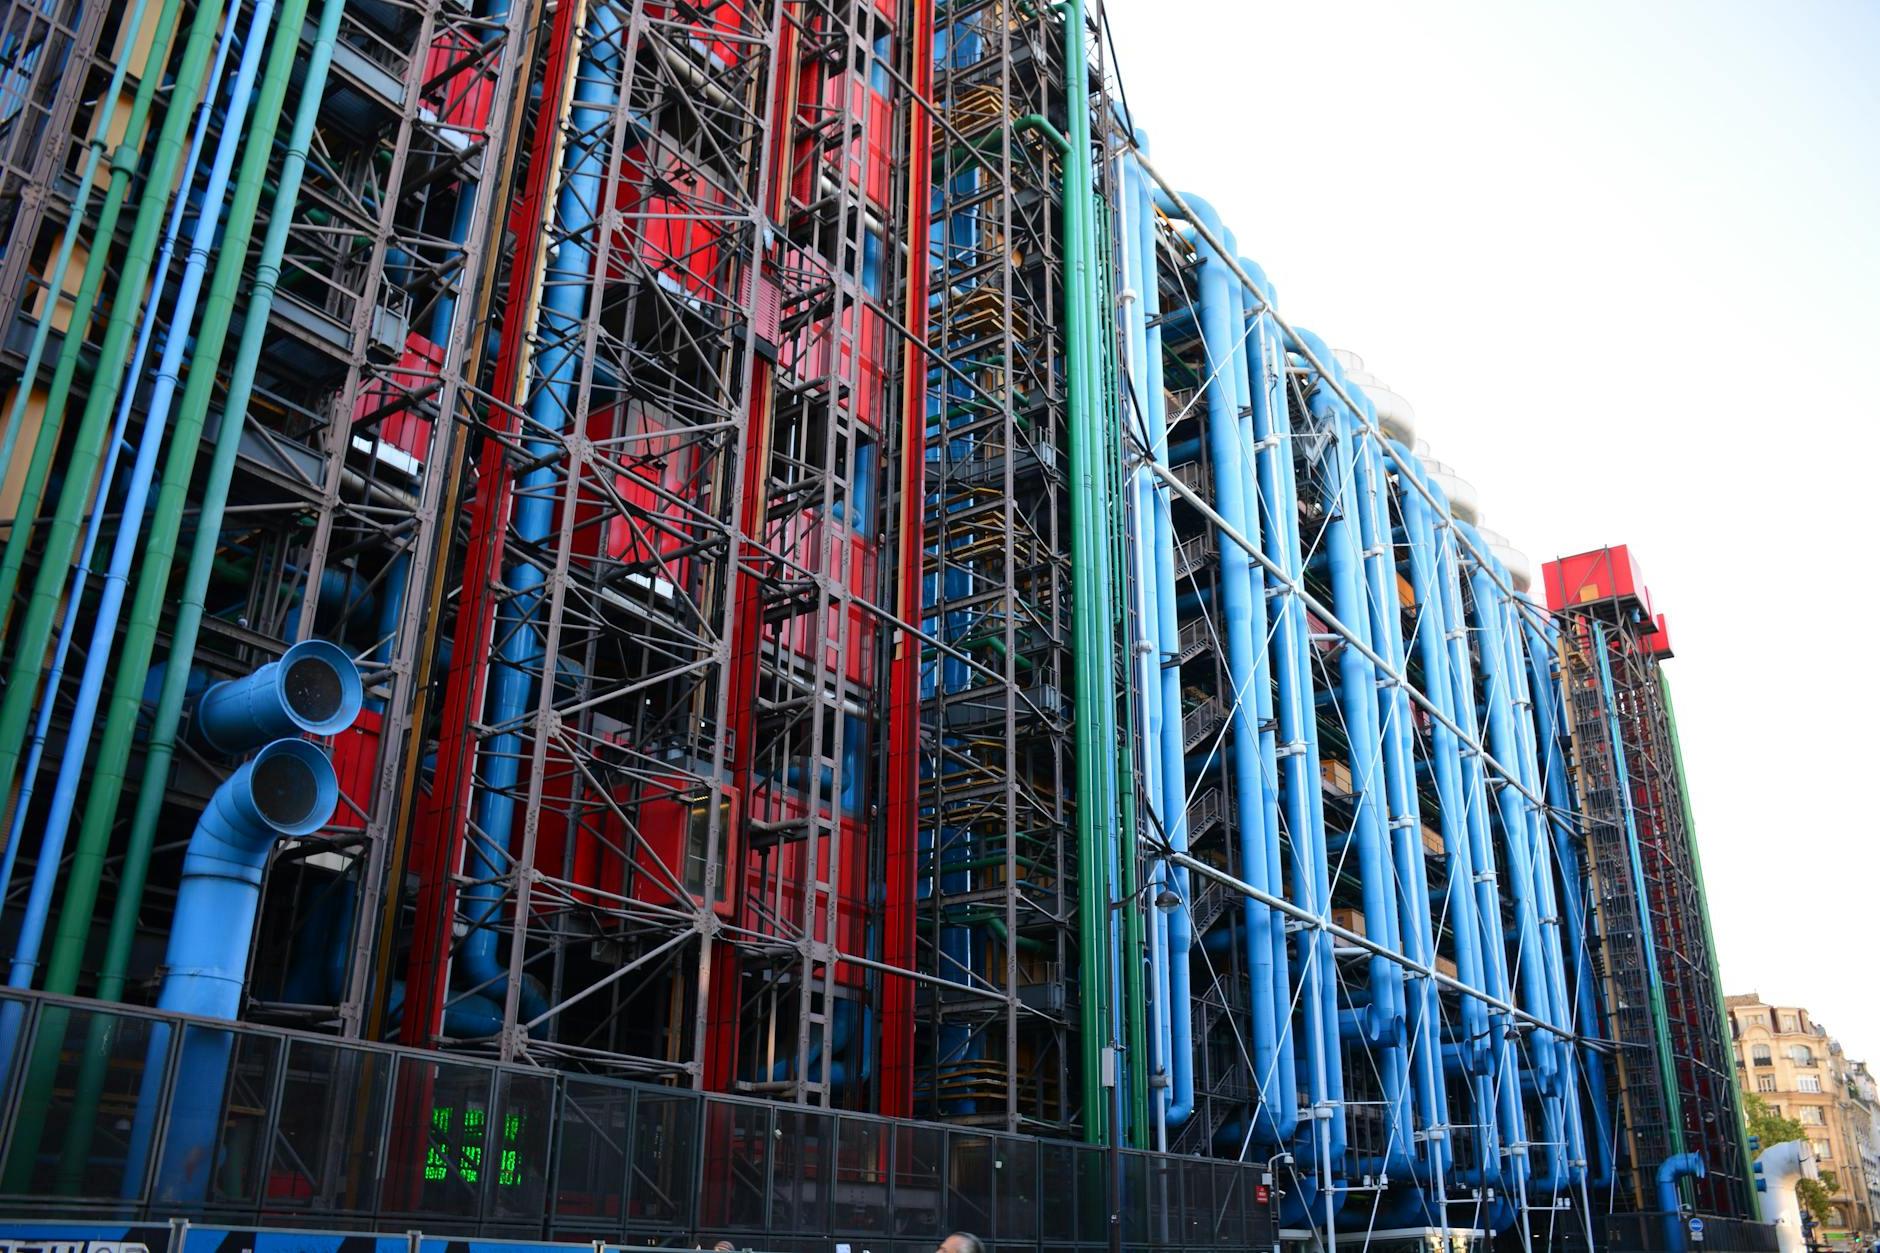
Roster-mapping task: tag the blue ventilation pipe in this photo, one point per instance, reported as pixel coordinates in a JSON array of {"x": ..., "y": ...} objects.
[
  {"x": 1376, "y": 1024},
  {"x": 1321, "y": 1138},
  {"x": 519, "y": 647},
  {"x": 1266, "y": 928},
  {"x": 314, "y": 689},
  {"x": 1472, "y": 1052},
  {"x": 1180, "y": 930},
  {"x": 288, "y": 789},
  {"x": 1504, "y": 1121},
  {"x": 1530, "y": 953},
  {"x": 1221, "y": 329},
  {"x": 1569, "y": 1153},
  {"x": 1282, "y": 751},
  {"x": 1402, "y": 845},
  {"x": 1297, "y": 750},
  {"x": 1671, "y": 1171},
  {"x": 1159, "y": 667},
  {"x": 124, "y": 549},
  {"x": 1548, "y": 715},
  {"x": 1422, "y": 1055}
]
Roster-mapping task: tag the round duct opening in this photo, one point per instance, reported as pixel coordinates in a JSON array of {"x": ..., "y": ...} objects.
[
  {"x": 285, "y": 788},
  {"x": 315, "y": 691},
  {"x": 319, "y": 685}
]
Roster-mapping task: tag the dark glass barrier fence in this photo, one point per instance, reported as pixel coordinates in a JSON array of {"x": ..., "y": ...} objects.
[{"x": 122, "y": 1114}]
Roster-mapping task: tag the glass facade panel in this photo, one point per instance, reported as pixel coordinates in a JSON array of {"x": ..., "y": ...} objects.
[
  {"x": 331, "y": 1130},
  {"x": 662, "y": 1159},
  {"x": 591, "y": 1159},
  {"x": 860, "y": 1204}
]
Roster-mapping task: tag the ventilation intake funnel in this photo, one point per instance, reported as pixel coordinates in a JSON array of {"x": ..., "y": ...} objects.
[{"x": 314, "y": 689}]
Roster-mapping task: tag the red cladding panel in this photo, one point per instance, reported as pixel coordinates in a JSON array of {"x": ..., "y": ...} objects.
[
  {"x": 399, "y": 404},
  {"x": 1602, "y": 574},
  {"x": 355, "y": 757},
  {"x": 459, "y": 87},
  {"x": 1659, "y": 641}
]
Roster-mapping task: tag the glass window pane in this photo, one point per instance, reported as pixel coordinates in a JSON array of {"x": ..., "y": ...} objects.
[
  {"x": 1135, "y": 1184},
  {"x": 861, "y": 1196},
  {"x": 663, "y": 1162},
  {"x": 440, "y": 1139},
  {"x": 1198, "y": 1201},
  {"x": 326, "y": 1145},
  {"x": 969, "y": 1184},
  {"x": 1093, "y": 1197},
  {"x": 1058, "y": 1170},
  {"x": 737, "y": 1157},
  {"x": 1016, "y": 1172},
  {"x": 211, "y": 1151},
  {"x": 521, "y": 1134},
  {"x": 798, "y": 1172},
  {"x": 919, "y": 1204},
  {"x": 52, "y": 1153},
  {"x": 591, "y": 1166},
  {"x": 1160, "y": 1206},
  {"x": 1231, "y": 1185}
]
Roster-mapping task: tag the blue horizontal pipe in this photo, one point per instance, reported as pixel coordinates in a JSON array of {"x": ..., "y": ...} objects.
[{"x": 314, "y": 689}]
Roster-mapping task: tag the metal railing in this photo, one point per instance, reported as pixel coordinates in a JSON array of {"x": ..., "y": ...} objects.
[{"x": 242, "y": 1125}]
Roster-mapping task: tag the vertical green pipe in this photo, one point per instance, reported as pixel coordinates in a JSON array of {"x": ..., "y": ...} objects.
[
  {"x": 154, "y": 577},
  {"x": 88, "y": 444},
  {"x": 1746, "y": 1182},
  {"x": 1087, "y": 617},
  {"x": 127, "y": 690},
  {"x": 62, "y": 263}
]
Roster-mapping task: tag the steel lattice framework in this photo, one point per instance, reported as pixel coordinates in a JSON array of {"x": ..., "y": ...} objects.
[
  {"x": 1676, "y": 1078},
  {"x": 998, "y": 858}
]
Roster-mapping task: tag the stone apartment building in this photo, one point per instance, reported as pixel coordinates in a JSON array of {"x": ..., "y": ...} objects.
[{"x": 1788, "y": 1059}]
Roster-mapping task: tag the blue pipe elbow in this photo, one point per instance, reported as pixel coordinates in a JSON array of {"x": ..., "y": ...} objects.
[
  {"x": 313, "y": 690},
  {"x": 1678, "y": 1166},
  {"x": 287, "y": 789}
]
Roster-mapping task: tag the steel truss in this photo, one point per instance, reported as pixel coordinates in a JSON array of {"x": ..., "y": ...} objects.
[
  {"x": 998, "y": 868},
  {"x": 604, "y": 528},
  {"x": 347, "y": 462},
  {"x": 1676, "y": 1075},
  {"x": 1498, "y": 793},
  {"x": 51, "y": 53},
  {"x": 817, "y": 620}
]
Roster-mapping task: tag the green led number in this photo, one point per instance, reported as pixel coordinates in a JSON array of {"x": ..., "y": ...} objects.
[{"x": 469, "y": 1149}]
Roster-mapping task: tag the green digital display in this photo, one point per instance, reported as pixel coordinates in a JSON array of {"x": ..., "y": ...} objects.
[{"x": 456, "y": 1146}]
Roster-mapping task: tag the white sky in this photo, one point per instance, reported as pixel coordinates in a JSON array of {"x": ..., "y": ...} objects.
[{"x": 1624, "y": 260}]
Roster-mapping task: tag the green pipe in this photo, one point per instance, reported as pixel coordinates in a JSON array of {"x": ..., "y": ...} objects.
[
  {"x": 986, "y": 148},
  {"x": 1088, "y": 621},
  {"x": 88, "y": 444},
  {"x": 160, "y": 545},
  {"x": 991, "y": 921},
  {"x": 159, "y": 554},
  {"x": 1746, "y": 1181},
  {"x": 62, "y": 263}
]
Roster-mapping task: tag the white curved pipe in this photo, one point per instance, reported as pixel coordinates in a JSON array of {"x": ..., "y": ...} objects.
[{"x": 1783, "y": 1166}]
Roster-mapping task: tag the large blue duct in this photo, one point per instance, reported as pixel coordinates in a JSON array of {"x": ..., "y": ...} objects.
[
  {"x": 1223, "y": 387},
  {"x": 287, "y": 789},
  {"x": 1672, "y": 1171},
  {"x": 518, "y": 647},
  {"x": 314, "y": 689}
]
